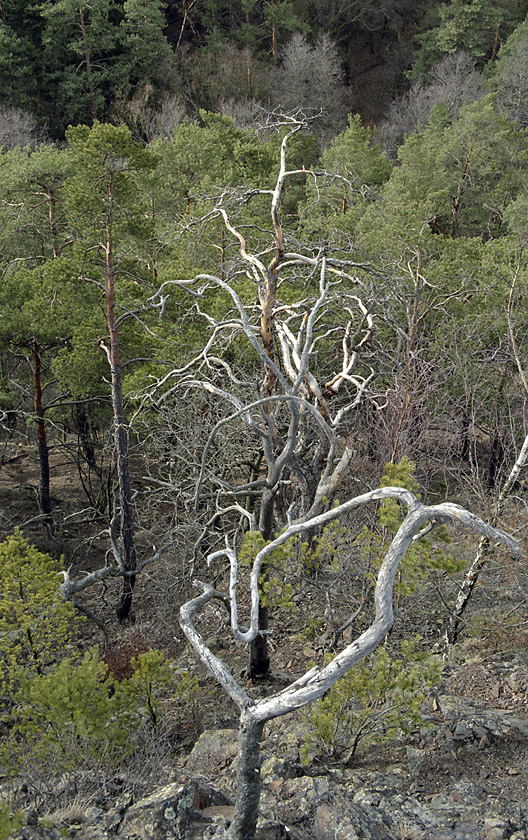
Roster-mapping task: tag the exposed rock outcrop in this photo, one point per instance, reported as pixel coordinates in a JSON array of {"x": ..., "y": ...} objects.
[{"x": 439, "y": 788}]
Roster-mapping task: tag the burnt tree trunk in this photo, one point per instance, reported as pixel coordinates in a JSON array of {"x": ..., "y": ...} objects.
[
  {"x": 259, "y": 660},
  {"x": 42, "y": 441},
  {"x": 85, "y": 436}
]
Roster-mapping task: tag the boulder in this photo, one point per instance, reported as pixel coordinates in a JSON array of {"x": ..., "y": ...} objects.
[
  {"x": 162, "y": 816},
  {"x": 214, "y": 751}
]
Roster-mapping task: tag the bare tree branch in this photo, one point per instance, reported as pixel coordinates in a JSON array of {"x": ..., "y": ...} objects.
[{"x": 316, "y": 681}]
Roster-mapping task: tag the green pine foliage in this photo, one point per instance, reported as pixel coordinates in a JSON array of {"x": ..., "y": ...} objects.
[
  {"x": 326, "y": 548},
  {"x": 145, "y": 48},
  {"x": 152, "y": 674},
  {"x": 66, "y": 710},
  {"x": 470, "y": 25},
  {"x": 377, "y": 700},
  {"x": 75, "y": 710},
  {"x": 453, "y": 181},
  {"x": 275, "y": 590},
  {"x": 35, "y": 623},
  {"x": 423, "y": 555},
  {"x": 354, "y": 171},
  {"x": 21, "y": 54},
  {"x": 9, "y": 821},
  {"x": 77, "y": 713}
]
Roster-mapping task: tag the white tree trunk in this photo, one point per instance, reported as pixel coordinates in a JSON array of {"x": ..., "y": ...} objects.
[{"x": 316, "y": 682}]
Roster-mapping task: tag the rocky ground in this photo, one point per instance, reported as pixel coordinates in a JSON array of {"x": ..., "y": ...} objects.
[{"x": 462, "y": 777}]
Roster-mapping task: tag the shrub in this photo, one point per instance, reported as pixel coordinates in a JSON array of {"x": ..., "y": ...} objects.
[
  {"x": 35, "y": 623},
  {"x": 75, "y": 712},
  {"x": 66, "y": 713},
  {"x": 151, "y": 674},
  {"x": 78, "y": 712},
  {"x": 376, "y": 700},
  {"x": 9, "y": 822}
]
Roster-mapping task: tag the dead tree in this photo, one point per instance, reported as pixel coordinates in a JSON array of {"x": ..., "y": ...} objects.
[
  {"x": 484, "y": 549},
  {"x": 310, "y": 371},
  {"x": 483, "y": 552},
  {"x": 114, "y": 567},
  {"x": 317, "y": 681}
]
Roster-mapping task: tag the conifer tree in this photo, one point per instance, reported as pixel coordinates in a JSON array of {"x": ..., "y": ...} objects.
[
  {"x": 81, "y": 42},
  {"x": 35, "y": 623},
  {"x": 145, "y": 46},
  {"x": 104, "y": 213}
]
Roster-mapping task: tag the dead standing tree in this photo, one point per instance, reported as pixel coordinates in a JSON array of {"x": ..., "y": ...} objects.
[
  {"x": 484, "y": 550},
  {"x": 298, "y": 415},
  {"x": 315, "y": 682},
  {"x": 295, "y": 412}
]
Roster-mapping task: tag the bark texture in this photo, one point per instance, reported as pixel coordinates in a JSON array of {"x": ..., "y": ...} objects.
[{"x": 245, "y": 818}]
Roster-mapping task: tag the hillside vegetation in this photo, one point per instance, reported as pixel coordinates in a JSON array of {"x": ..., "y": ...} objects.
[{"x": 255, "y": 260}]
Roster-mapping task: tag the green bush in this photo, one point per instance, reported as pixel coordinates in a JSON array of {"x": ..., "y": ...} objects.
[
  {"x": 71, "y": 711},
  {"x": 152, "y": 673},
  {"x": 376, "y": 700},
  {"x": 74, "y": 711},
  {"x": 9, "y": 822},
  {"x": 35, "y": 623},
  {"x": 79, "y": 713}
]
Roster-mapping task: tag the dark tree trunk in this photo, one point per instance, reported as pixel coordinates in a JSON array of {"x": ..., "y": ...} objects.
[
  {"x": 259, "y": 660},
  {"x": 245, "y": 817},
  {"x": 86, "y": 439},
  {"x": 465, "y": 448},
  {"x": 125, "y": 492},
  {"x": 42, "y": 442},
  {"x": 88, "y": 64},
  {"x": 120, "y": 433},
  {"x": 496, "y": 458},
  {"x": 496, "y": 455}
]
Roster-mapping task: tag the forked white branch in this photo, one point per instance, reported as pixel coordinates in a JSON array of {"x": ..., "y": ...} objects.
[{"x": 317, "y": 681}]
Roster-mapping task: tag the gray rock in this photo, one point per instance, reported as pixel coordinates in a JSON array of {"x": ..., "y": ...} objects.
[
  {"x": 308, "y": 791},
  {"x": 94, "y": 832},
  {"x": 338, "y": 820},
  {"x": 162, "y": 816},
  {"x": 276, "y": 768},
  {"x": 215, "y": 750},
  {"x": 36, "y": 832},
  {"x": 458, "y": 710},
  {"x": 93, "y": 815},
  {"x": 463, "y": 731},
  {"x": 495, "y": 829},
  {"x": 416, "y": 759}
]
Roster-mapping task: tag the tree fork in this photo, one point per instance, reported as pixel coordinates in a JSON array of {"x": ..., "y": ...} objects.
[{"x": 316, "y": 681}]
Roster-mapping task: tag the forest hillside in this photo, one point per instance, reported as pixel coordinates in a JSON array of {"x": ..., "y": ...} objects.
[{"x": 263, "y": 430}]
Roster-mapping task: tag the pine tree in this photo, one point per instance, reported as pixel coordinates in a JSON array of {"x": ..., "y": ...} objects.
[{"x": 35, "y": 623}]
